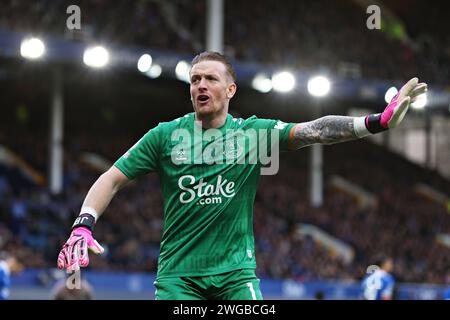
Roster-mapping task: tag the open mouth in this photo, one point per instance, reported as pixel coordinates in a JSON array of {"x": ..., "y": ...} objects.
[{"x": 202, "y": 98}]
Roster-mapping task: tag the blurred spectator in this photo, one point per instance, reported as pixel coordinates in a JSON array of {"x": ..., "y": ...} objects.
[
  {"x": 379, "y": 283},
  {"x": 9, "y": 265},
  {"x": 60, "y": 291}
]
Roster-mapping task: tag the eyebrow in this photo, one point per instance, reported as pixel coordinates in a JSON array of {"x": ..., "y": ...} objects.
[{"x": 205, "y": 74}]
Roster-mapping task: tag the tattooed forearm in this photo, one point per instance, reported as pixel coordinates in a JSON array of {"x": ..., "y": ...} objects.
[{"x": 325, "y": 130}]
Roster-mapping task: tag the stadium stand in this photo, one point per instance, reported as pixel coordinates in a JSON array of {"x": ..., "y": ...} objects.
[
  {"x": 310, "y": 28},
  {"x": 401, "y": 223}
]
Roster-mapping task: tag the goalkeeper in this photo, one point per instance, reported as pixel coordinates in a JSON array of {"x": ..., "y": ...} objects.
[{"x": 207, "y": 247}]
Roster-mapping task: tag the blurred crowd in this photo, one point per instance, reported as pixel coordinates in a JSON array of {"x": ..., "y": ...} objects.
[
  {"x": 34, "y": 224},
  {"x": 312, "y": 35},
  {"x": 402, "y": 225}
]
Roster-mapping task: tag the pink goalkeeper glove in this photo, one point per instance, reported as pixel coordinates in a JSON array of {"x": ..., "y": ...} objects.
[
  {"x": 394, "y": 112},
  {"x": 396, "y": 109},
  {"x": 74, "y": 253}
]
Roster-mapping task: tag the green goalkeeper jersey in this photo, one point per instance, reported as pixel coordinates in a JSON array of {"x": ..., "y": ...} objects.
[{"x": 209, "y": 179}]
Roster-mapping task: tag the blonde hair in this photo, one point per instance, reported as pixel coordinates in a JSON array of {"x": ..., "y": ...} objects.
[{"x": 215, "y": 56}]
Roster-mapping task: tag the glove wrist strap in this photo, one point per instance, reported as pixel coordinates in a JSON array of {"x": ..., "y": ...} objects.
[
  {"x": 84, "y": 220},
  {"x": 373, "y": 123}
]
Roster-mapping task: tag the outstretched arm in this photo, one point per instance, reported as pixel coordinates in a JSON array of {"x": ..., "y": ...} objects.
[
  {"x": 102, "y": 192},
  {"x": 74, "y": 253},
  {"x": 335, "y": 129},
  {"x": 325, "y": 130}
]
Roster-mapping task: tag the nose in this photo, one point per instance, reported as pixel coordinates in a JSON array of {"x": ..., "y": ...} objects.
[{"x": 202, "y": 84}]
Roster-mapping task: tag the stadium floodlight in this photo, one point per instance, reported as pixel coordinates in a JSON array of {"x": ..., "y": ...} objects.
[
  {"x": 182, "y": 71},
  {"x": 421, "y": 102},
  {"x": 319, "y": 86},
  {"x": 96, "y": 57},
  {"x": 154, "y": 72},
  {"x": 262, "y": 83},
  {"x": 283, "y": 81},
  {"x": 32, "y": 48},
  {"x": 144, "y": 63},
  {"x": 390, "y": 93}
]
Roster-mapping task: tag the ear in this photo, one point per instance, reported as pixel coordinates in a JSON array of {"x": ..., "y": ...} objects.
[{"x": 231, "y": 90}]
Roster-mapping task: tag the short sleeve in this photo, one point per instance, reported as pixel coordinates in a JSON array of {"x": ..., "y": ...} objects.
[
  {"x": 276, "y": 128},
  {"x": 143, "y": 156}
]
